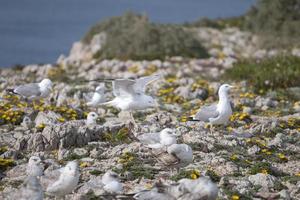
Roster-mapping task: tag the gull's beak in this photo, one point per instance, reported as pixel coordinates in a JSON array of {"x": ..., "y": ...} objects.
[{"x": 231, "y": 86}]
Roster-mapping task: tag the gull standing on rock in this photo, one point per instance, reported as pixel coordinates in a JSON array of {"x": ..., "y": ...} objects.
[
  {"x": 218, "y": 113},
  {"x": 32, "y": 91},
  {"x": 66, "y": 182},
  {"x": 130, "y": 94},
  {"x": 98, "y": 96},
  {"x": 111, "y": 182},
  {"x": 35, "y": 166},
  {"x": 162, "y": 139},
  {"x": 91, "y": 118}
]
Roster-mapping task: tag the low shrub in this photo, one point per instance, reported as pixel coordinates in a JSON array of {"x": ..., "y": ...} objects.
[
  {"x": 132, "y": 36},
  {"x": 270, "y": 74}
]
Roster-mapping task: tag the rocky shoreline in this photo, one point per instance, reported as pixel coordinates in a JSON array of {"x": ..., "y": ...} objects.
[{"x": 255, "y": 157}]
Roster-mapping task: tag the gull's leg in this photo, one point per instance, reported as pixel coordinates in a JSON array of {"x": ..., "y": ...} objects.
[
  {"x": 211, "y": 128},
  {"x": 135, "y": 126}
]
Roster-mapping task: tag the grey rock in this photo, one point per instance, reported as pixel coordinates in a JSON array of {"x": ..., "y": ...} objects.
[{"x": 266, "y": 181}]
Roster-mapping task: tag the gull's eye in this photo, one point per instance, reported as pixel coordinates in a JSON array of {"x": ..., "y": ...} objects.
[{"x": 34, "y": 159}]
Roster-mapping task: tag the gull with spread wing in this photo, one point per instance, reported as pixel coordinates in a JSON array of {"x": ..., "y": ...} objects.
[{"x": 130, "y": 94}]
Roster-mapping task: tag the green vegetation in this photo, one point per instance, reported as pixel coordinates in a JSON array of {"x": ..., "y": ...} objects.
[
  {"x": 132, "y": 36},
  {"x": 277, "y": 21},
  {"x": 132, "y": 163},
  {"x": 122, "y": 136},
  {"x": 219, "y": 23},
  {"x": 274, "y": 73}
]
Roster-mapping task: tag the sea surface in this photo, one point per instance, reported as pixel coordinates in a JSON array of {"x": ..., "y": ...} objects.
[{"x": 38, "y": 31}]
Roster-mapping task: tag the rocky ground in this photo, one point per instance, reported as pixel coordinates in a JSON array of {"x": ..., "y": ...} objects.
[{"x": 256, "y": 156}]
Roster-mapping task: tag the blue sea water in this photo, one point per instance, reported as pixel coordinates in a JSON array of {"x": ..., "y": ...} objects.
[{"x": 38, "y": 31}]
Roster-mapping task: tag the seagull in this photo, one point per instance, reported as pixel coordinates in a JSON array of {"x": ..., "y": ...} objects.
[
  {"x": 91, "y": 118},
  {"x": 111, "y": 182},
  {"x": 67, "y": 180},
  {"x": 35, "y": 166},
  {"x": 31, "y": 189},
  {"x": 164, "y": 138},
  {"x": 175, "y": 155},
  {"x": 33, "y": 91},
  {"x": 27, "y": 122},
  {"x": 201, "y": 188},
  {"x": 98, "y": 96},
  {"x": 130, "y": 94},
  {"x": 217, "y": 113},
  {"x": 184, "y": 189}
]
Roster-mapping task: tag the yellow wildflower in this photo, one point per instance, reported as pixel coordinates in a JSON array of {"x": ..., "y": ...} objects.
[
  {"x": 235, "y": 197},
  {"x": 264, "y": 171}
]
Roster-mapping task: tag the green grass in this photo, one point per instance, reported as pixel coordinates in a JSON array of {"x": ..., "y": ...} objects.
[
  {"x": 133, "y": 36},
  {"x": 270, "y": 74}
]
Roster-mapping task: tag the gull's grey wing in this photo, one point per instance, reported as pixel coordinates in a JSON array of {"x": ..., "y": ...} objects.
[
  {"x": 149, "y": 138},
  {"x": 123, "y": 87},
  {"x": 88, "y": 96},
  {"x": 207, "y": 112},
  {"x": 28, "y": 90},
  {"x": 141, "y": 83}
]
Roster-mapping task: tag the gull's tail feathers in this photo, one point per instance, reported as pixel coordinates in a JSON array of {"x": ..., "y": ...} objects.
[{"x": 10, "y": 90}]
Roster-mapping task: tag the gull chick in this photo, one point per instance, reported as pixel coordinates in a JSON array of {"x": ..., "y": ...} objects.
[
  {"x": 27, "y": 122},
  {"x": 185, "y": 189},
  {"x": 176, "y": 155},
  {"x": 162, "y": 139},
  {"x": 35, "y": 166},
  {"x": 130, "y": 94},
  {"x": 33, "y": 91},
  {"x": 98, "y": 96},
  {"x": 91, "y": 118},
  {"x": 31, "y": 189},
  {"x": 218, "y": 113},
  {"x": 111, "y": 182},
  {"x": 66, "y": 182}
]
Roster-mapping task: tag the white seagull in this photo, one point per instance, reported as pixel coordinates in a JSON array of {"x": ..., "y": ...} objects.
[
  {"x": 66, "y": 182},
  {"x": 162, "y": 139},
  {"x": 130, "y": 94},
  {"x": 91, "y": 118},
  {"x": 33, "y": 91},
  {"x": 217, "y": 113},
  {"x": 98, "y": 96},
  {"x": 35, "y": 166},
  {"x": 111, "y": 182}
]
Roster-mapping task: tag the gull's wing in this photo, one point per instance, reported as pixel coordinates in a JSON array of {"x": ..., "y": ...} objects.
[
  {"x": 207, "y": 112},
  {"x": 149, "y": 138},
  {"x": 88, "y": 96},
  {"x": 123, "y": 87},
  {"x": 28, "y": 90},
  {"x": 141, "y": 83}
]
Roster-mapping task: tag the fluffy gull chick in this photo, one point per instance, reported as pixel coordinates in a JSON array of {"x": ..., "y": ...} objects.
[
  {"x": 91, "y": 118},
  {"x": 66, "y": 182},
  {"x": 30, "y": 189},
  {"x": 35, "y": 166},
  {"x": 33, "y": 91},
  {"x": 130, "y": 94},
  {"x": 176, "y": 156},
  {"x": 98, "y": 96},
  {"x": 111, "y": 182}
]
